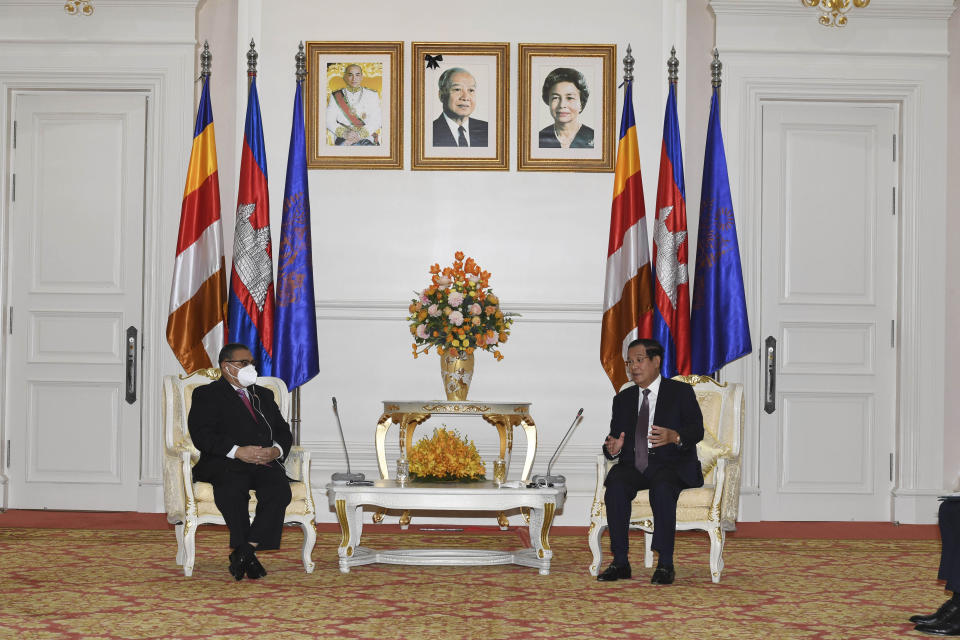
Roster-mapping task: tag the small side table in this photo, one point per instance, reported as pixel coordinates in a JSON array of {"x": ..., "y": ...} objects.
[{"x": 409, "y": 414}]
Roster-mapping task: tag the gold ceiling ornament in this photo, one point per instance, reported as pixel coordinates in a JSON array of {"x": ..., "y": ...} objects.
[
  {"x": 834, "y": 11},
  {"x": 78, "y": 7}
]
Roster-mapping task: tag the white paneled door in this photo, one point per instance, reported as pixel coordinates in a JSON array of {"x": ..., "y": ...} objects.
[
  {"x": 76, "y": 238},
  {"x": 829, "y": 286}
]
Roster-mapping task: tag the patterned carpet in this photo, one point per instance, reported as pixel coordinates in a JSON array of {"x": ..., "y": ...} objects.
[{"x": 112, "y": 584}]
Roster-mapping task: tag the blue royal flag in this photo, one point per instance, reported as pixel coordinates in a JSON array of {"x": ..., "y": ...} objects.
[
  {"x": 720, "y": 331},
  {"x": 296, "y": 356}
]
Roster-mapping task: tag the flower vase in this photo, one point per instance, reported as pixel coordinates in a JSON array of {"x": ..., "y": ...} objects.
[{"x": 457, "y": 372}]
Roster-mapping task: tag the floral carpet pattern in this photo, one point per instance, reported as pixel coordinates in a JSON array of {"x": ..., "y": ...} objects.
[{"x": 111, "y": 584}]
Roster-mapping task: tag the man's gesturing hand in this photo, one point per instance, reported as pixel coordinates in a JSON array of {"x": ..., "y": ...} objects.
[{"x": 614, "y": 445}]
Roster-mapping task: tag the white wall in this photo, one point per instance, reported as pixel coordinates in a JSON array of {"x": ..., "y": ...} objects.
[
  {"x": 951, "y": 417},
  {"x": 542, "y": 235}
]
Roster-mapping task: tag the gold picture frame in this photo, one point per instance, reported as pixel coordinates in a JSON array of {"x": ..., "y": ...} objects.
[
  {"x": 359, "y": 127},
  {"x": 474, "y": 91},
  {"x": 571, "y": 129}
]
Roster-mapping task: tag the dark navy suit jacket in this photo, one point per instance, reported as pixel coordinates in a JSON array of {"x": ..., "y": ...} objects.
[
  {"x": 677, "y": 409},
  {"x": 219, "y": 420}
]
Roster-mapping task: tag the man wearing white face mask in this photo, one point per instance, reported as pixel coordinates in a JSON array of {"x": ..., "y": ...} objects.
[{"x": 242, "y": 438}]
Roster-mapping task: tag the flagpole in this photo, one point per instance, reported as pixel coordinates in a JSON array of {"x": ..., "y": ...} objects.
[
  {"x": 301, "y": 73},
  {"x": 716, "y": 69},
  {"x": 252, "y": 56}
]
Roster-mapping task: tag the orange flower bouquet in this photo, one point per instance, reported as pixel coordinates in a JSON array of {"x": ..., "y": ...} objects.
[
  {"x": 445, "y": 456},
  {"x": 458, "y": 313}
]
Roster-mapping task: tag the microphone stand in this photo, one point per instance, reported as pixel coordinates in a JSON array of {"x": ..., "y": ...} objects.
[
  {"x": 551, "y": 480},
  {"x": 347, "y": 477}
]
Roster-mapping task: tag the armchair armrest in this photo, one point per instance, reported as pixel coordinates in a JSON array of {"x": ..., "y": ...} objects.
[{"x": 297, "y": 464}]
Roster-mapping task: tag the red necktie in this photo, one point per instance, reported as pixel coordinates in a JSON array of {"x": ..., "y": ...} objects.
[
  {"x": 246, "y": 401},
  {"x": 640, "y": 440}
]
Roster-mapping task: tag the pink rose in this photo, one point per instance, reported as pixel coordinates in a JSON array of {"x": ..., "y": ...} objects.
[
  {"x": 475, "y": 309},
  {"x": 422, "y": 331},
  {"x": 443, "y": 281},
  {"x": 424, "y": 299},
  {"x": 455, "y": 299},
  {"x": 456, "y": 318},
  {"x": 433, "y": 310}
]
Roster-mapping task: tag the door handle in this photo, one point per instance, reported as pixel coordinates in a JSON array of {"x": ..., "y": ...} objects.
[
  {"x": 770, "y": 375},
  {"x": 131, "y": 365}
]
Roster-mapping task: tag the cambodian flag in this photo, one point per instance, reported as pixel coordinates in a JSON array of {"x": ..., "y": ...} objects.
[
  {"x": 250, "y": 309},
  {"x": 721, "y": 331},
  {"x": 671, "y": 311},
  {"x": 296, "y": 353}
]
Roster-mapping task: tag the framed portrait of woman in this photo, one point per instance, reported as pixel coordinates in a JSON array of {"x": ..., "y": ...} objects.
[
  {"x": 566, "y": 107},
  {"x": 354, "y": 105},
  {"x": 460, "y": 118}
]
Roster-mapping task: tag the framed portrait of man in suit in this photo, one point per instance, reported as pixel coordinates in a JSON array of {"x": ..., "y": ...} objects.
[
  {"x": 354, "y": 105},
  {"x": 566, "y": 107},
  {"x": 460, "y": 118}
]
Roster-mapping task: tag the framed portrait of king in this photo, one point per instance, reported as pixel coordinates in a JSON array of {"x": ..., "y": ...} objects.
[
  {"x": 460, "y": 97},
  {"x": 354, "y": 105},
  {"x": 566, "y": 107}
]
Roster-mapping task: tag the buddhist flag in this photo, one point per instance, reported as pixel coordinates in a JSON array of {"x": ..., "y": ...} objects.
[
  {"x": 719, "y": 327},
  {"x": 671, "y": 293},
  {"x": 250, "y": 311},
  {"x": 198, "y": 295},
  {"x": 628, "y": 290},
  {"x": 296, "y": 353}
]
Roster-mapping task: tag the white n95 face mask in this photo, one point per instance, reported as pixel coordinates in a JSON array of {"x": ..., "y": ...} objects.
[{"x": 247, "y": 375}]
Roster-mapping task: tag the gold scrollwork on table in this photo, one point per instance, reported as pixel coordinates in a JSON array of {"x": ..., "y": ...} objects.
[
  {"x": 548, "y": 510},
  {"x": 455, "y": 408}
]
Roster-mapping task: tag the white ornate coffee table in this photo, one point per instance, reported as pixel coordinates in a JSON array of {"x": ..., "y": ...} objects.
[{"x": 348, "y": 502}]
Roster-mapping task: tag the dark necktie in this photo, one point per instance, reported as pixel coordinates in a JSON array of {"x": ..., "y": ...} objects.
[
  {"x": 462, "y": 139},
  {"x": 640, "y": 440},
  {"x": 246, "y": 401}
]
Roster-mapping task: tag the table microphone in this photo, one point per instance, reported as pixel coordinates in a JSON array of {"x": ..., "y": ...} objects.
[
  {"x": 347, "y": 477},
  {"x": 549, "y": 480}
]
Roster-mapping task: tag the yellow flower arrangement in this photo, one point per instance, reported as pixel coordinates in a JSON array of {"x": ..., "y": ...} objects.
[
  {"x": 445, "y": 456},
  {"x": 458, "y": 313}
]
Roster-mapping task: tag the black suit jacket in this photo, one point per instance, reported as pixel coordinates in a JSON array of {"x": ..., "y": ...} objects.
[
  {"x": 677, "y": 409},
  {"x": 443, "y": 137},
  {"x": 219, "y": 420}
]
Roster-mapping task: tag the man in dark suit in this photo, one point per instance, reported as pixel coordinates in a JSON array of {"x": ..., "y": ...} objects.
[
  {"x": 654, "y": 432},
  {"x": 454, "y": 127},
  {"x": 946, "y": 620},
  {"x": 242, "y": 438}
]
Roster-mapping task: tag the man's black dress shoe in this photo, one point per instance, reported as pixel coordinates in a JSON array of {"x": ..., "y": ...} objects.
[
  {"x": 614, "y": 572},
  {"x": 946, "y": 610},
  {"x": 663, "y": 575},
  {"x": 949, "y": 626},
  {"x": 255, "y": 570},
  {"x": 240, "y": 559}
]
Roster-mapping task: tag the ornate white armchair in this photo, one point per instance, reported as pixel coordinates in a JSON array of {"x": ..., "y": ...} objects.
[
  {"x": 190, "y": 504},
  {"x": 712, "y": 507}
]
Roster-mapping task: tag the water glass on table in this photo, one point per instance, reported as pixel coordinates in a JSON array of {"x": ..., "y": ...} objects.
[{"x": 499, "y": 471}]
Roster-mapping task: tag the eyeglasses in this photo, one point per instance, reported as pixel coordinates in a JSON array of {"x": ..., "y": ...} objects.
[
  {"x": 636, "y": 360},
  {"x": 242, "y": 363}
]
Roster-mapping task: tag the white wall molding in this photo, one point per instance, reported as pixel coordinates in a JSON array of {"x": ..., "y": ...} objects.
[
  {"x": 397, "y": 310},
  {"x": 887, "y": 9}
]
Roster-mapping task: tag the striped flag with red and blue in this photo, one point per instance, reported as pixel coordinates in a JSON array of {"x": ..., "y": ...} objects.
[
  {"x": 671, "y": 315},
  {"x": 251, "y": 307}
]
